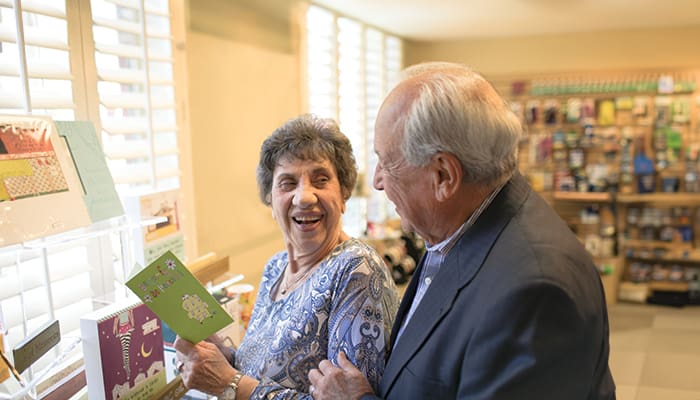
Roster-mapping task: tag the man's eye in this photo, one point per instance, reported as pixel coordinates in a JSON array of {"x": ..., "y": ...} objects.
[{"x": 322, "y": 181}]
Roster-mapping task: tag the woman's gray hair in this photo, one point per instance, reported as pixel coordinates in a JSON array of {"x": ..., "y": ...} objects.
[
  {"x": 457, "y": 111},
  {"x": 307, "y": 137}
]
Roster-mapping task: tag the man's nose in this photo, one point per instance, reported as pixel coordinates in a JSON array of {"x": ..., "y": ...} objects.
[{"x": 377, "y": 180}]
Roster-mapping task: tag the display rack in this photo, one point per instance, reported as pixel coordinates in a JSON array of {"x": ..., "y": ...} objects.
[
  {"x": 121, "y": 227},
  {"x": 585, "y": 134}
]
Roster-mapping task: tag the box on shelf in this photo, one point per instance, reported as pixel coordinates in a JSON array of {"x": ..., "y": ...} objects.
[{"x": 151, "y": 241}]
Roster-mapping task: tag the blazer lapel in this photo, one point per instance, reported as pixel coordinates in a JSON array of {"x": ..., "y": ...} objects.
[
  {"x": 406, "y": 301},
  {"x": 460, "y": 267}
]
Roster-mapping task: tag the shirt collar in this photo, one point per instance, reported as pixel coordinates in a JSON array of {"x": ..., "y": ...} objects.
[{"x": 446, "y": 245}]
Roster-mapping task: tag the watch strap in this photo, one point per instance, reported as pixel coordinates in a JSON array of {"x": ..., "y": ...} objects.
[{"x": 234, "y": 384}]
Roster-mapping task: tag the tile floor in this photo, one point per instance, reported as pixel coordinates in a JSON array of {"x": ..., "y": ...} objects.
[{"x": 655, "y": 351}]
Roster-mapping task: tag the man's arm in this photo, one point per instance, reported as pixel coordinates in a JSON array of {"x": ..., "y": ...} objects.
[{"x": 534, "y": 344}]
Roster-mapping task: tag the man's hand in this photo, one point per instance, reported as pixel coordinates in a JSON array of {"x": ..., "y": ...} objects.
[
  {"x": 204, "y": 367},
  {"x": 342, "y": 382}
]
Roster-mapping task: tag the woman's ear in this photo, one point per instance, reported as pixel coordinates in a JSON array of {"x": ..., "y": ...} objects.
[{"x": 448, "y": 175}]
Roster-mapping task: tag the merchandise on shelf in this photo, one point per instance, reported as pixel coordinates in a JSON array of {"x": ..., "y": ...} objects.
[{"x": 629, "y": 143}]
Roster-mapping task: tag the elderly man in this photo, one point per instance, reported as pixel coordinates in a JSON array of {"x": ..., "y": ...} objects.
[{"x": 506, "y": 304}]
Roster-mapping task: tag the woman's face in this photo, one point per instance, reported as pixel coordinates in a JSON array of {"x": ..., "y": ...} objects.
[{"x": 307, "y": 203}]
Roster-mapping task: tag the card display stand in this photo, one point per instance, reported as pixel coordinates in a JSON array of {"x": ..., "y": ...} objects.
[{"x": 41, "y": 376}]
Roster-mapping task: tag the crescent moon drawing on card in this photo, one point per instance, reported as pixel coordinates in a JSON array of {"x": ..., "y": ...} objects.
[{"x": 145, "y": 353}]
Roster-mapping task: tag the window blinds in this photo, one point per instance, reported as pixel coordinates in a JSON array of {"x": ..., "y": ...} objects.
[
  {"x": 350, "y": 68},
  {"x": 110, "y": 62},
  {"x": 133, "y": 58},
  {"x": 35, "y": 77}
]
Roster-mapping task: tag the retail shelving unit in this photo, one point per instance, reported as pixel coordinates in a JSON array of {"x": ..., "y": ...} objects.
[{"x": 585, "y": 135}]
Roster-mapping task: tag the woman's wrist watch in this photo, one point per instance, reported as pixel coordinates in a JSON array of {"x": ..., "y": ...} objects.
[{"x": 232, "y": 388}]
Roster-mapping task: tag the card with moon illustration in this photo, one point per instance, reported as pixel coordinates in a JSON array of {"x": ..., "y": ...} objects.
[{"x": 129, "y": 344}]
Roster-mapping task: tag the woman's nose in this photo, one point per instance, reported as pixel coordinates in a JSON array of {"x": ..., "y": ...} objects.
[{"x": 304, "y": 196}]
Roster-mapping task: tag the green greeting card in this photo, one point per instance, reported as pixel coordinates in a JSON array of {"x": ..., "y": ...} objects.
[
  {"x": 99, "y": 194},
  {"x": 168, "y": 288}
]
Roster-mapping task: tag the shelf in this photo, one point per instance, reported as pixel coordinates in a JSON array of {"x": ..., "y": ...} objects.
[
  {"x": 692, "y": 199},
  {"x": 658, "y": 243},
  {"x": 668, "y": 286},
  {"x": 667, "y": 260},
  {"x": 600, "y": 197},
  {"x": 100, "y": 228},
  {"x": 606, "y": 260},
  {"x": 628, "y": 131},
  {"x": 569, "y": 125}
]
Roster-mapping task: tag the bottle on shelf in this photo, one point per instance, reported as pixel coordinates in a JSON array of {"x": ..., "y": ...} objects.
[
  {"x": 643, "y": 168},
  {"x": 692, "y": 173}
]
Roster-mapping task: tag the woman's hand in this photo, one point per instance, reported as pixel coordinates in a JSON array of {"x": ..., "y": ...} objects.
[
  {"x": 225, "y": 350},
  {"x": 205, "y": 368}
]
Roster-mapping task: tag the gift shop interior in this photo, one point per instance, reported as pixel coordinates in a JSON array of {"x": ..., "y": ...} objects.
[{"x": 181, "y": 94}]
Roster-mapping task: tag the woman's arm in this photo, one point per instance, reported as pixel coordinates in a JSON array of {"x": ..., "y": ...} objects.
[{"x": 362, "y": 315}]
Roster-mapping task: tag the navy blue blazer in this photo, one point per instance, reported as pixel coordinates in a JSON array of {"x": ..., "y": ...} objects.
[{"x": 517, "y": 311}]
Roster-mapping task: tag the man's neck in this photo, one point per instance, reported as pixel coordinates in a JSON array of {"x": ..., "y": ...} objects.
[{"x": 457, "y": 210}]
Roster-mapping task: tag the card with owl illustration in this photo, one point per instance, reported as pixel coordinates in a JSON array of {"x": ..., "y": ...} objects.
[{"x": 168, "y": 288}]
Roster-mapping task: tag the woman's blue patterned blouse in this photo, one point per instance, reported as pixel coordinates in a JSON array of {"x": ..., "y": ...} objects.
[{"x": 347, "y": 304}]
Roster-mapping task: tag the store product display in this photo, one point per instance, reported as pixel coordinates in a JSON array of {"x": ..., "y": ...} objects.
[{"x": 635, "y": 140}]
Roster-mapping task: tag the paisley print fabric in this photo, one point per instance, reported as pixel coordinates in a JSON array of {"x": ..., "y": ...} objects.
[{"x": 348, "y": 304}]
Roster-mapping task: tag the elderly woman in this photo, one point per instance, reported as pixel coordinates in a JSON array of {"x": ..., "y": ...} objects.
[{"x": 325, "y": 294}]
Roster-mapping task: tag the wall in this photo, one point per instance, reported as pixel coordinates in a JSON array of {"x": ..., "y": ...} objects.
[
  {"x": 602, "y": 51},
  {"x": 244, "y": 81},
  {"x": 243, "y": 73}
]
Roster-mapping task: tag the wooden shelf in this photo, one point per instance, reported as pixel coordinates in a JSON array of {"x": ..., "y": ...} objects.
[
  {"x": 538, "y": 99},
  {"x": 658, "y": 243},
  {"x": 595, "y": 197},
  {"x": 695, "y": 261},
  {"x": 668, "y": 286},
  {"x": 691, "y": 199},
  {"x": 606, "y": 260}
]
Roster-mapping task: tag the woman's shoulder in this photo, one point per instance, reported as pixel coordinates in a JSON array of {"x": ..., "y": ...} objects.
[
  {"x": 354, "y": 247},
  {"x": 276, "y": 263},
  {"x": 354, "y": 253},
  {"x": 356, "y": 264}
]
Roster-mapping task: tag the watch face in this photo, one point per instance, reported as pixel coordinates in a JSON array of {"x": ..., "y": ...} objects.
[{"x": 228, "y": 394}]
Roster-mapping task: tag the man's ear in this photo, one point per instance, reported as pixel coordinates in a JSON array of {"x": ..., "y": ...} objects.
[{"x": 448, "y": 175}]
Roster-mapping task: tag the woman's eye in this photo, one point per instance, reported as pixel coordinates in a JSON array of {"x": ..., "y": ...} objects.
[
  {"x": 286, "y": 185},
  {"x": 322, "y": 181}
]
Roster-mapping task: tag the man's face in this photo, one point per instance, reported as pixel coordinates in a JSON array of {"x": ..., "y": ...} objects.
[{"x": 408, "y": 187}]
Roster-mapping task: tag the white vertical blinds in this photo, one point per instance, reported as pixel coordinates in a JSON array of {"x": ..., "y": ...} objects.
[{"x": 350, "y": 68}]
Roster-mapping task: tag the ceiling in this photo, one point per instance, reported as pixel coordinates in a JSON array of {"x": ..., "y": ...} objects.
[{"x": 430, "y": 20}]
